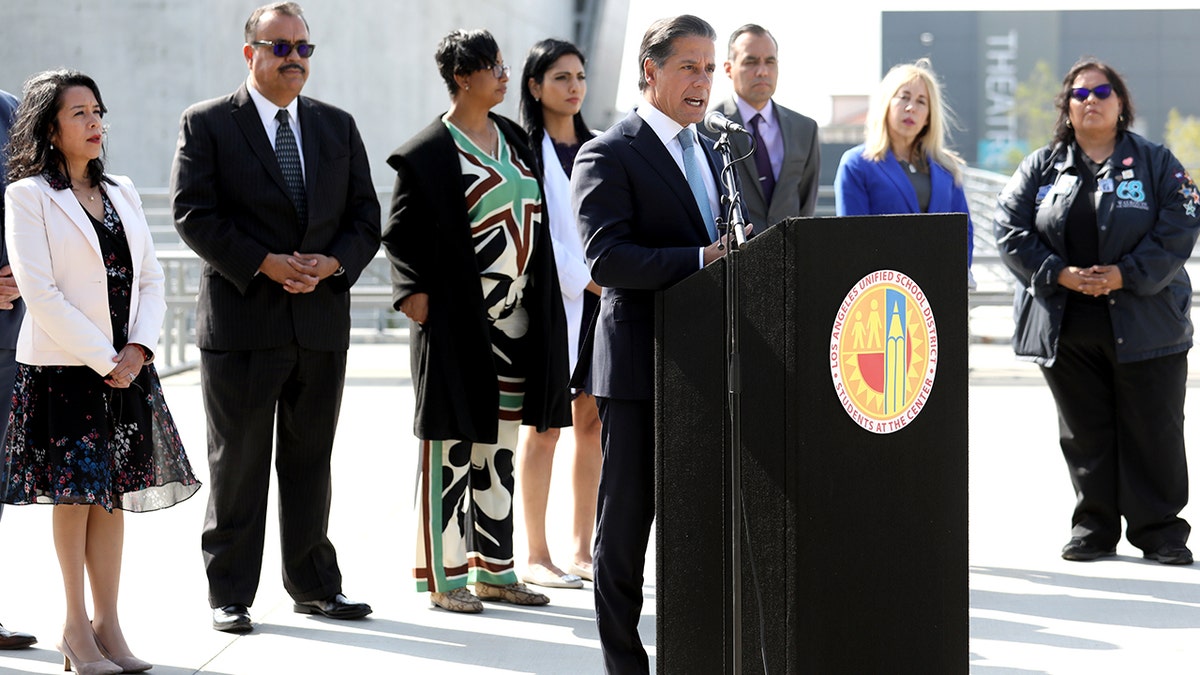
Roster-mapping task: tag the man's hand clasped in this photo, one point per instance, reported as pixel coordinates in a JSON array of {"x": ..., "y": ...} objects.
[{"x": 298, "y": 272}]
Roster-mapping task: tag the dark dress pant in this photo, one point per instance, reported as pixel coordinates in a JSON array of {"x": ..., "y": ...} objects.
[
  {"x": 1121, "y": 432},
  {"x": 8, "y": 377},
  {"x": 625, "y": 513},
  {"x": 247, "y": 394}
]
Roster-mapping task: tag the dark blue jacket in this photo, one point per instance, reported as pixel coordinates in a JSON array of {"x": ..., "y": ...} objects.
[
  {"x": 642, "y": 232},
  {"x": 10, "y": 321},
  {"x": 1148, "y": 219}
]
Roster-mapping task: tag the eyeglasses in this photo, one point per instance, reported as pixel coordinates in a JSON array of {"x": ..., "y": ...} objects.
[
  {"x": 1102, "y": 91},
  {"x": 282, "y": 48},
  {"x": 501, "y": 71}
]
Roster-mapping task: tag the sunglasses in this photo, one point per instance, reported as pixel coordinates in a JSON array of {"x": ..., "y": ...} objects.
[
  {"x": 282, "y": 48},
  {"x": 1102, "y": 91}
]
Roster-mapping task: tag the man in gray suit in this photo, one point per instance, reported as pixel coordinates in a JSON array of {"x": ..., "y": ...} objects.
[
  {"x": 780, "y": 181},
  {"x": 273, "y": 190},
  {"x": 11, "y": 311}
]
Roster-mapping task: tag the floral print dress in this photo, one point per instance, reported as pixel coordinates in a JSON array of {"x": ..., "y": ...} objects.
[{"x": 72, "y": 439}]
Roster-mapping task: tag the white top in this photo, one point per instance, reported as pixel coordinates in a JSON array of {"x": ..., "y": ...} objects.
[
  {"x": 59, "y": 267},
  {"x": 769, "y": 129},
  {"x": 573, "y": 273},
  {"x": 667, "y": 131}
]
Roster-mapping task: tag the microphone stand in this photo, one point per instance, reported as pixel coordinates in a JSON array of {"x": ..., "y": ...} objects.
[{"x": 733, "y": 224}]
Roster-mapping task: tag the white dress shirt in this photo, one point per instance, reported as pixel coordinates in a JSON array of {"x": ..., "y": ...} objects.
[
  {"x": 768, "y": 128},
  {"x": 266, "y": 113},
  {"x": 667, "y": 131}
]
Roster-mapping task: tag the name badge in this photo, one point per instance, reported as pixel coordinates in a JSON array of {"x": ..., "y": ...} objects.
[
  {"x": 1105, "y": 185},
  {"x": 1064, "y": 184}
]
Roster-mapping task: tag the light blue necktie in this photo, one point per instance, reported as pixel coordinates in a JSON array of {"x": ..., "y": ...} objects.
[{"x": 695, "y": 179}]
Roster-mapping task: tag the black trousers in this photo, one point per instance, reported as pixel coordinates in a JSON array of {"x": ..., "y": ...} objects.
[
  {"x": 246, "y": 394},
  {"x": 8, "y": 377},
  {"x": 1121, "y": 432},
  {"x": 624, "y": 513}
]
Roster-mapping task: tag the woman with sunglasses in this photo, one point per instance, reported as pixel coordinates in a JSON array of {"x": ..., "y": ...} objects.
[
  {"x": 1097, "y": 226},
  {"x": 473, "y": 269},
  {"x": 89, "y": 431},
  {"x": 905, "y": 165}
]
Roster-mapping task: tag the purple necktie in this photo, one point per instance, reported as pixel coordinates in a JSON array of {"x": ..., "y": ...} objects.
[{"x": 762, "y": 162}]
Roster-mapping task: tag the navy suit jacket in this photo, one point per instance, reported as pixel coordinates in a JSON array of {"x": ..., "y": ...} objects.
[
  {"x": 642, "y": 232},
  {"x": 867, "y": 188},
  {"x": 10, "y": 320}
]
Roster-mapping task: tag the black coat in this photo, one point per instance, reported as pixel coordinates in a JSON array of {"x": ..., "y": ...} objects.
[{"x": 428, "y": 241}]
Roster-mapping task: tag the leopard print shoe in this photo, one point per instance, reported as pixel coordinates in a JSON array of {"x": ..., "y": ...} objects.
[
  {"x": 516, "y": 594},
  {"x": 457, "y": 600}
]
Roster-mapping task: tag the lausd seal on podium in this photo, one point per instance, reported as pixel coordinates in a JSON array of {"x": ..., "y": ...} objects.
[{"x": 883, "y": 351}]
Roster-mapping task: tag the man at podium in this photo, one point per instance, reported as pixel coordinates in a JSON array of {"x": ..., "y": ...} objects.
[{"x": 646, "y": 193}]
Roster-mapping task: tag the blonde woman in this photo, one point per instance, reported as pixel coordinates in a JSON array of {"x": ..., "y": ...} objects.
[{"x": 905, "y": 165}]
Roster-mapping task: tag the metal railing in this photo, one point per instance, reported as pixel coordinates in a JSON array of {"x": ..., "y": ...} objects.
[
  {"x": 371, "y": 313},
  {"x": 374, "y": 320},
  {"x": 993, "y": 282}
]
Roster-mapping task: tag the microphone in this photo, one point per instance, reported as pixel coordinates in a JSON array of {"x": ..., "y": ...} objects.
[{"x": 717, "y": 123}]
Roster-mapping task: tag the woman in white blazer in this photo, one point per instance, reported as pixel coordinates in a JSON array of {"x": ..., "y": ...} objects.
[
  {"x": 89, "y": 431},
  {"x": 553, "y": 86}
]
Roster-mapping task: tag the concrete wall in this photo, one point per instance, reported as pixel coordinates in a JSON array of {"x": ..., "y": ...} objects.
[{"x": 153, "y": 58}]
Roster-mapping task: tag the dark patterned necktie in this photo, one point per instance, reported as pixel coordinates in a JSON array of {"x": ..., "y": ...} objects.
[
  {"x": 289, "y": 161},
  {"x": 762, "y": 162}
]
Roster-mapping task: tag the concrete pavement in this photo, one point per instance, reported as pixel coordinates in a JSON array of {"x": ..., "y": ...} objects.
[{"x": 1031, "y": 612}]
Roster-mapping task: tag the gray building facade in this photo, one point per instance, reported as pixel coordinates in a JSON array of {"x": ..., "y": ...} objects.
[
  {"x": 374, "y": 58},
  {"x": 982, "y": 57}
]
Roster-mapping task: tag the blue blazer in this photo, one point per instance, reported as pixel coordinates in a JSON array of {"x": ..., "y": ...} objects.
[
  {"x": 867, "y": 188},
  {"x": 642, "y": 232}
]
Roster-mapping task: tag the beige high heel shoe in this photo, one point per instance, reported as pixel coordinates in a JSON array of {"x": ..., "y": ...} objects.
[
  {"x": 128, "y": 664},
  {"x": 101, "y": 667}
]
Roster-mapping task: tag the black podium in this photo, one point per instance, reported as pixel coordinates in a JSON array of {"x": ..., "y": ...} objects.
[{"x": 853, "y": 345}]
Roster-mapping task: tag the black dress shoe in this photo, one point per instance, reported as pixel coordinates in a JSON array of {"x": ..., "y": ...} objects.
[
  {"x": 14, "y": 640},
  {"x": 232, "y": 619},
  {"x": 1079, "y": 550},
  {"x": 335, "y": 607},
  {"x": 1170, "y": 554}
]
